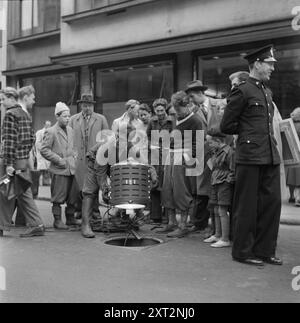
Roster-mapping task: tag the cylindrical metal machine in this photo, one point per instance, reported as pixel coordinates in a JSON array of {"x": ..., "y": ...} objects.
[{"x": 130, "y": 186}]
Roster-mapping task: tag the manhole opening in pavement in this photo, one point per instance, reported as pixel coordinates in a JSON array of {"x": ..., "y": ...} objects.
[{"x": 133, "y": 242}]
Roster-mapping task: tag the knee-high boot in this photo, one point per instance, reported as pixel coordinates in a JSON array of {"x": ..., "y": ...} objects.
[{"x": 87, "y": 212}]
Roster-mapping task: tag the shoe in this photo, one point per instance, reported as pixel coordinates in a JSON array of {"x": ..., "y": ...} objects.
[
  {"x": 297, "y": 203},
  {"x": 211, "y": 239},
  {"x": 221, "y": 244},
  {"x": 194, "y": 229},
  {"x": 292, "y": 200},
  {"x": 250, "y": 261},
  {"x": 155, "y": 221},
  {"x": 272, "y": 260},
  {"x": 178, "y": 233},
  {"x": 1, "y": 233},
  {"x": 59, "y": 225},
  {"x": 167, "y": 229},
  {"x": 34, "y": 232},
  {"x": 71, "y": 221}
]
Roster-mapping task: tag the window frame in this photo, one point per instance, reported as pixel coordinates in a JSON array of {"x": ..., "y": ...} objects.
[
  {"x": 110, "y": 9},
  {"x": 15, "y": 20},
  {"x": 122, "y": 3}
]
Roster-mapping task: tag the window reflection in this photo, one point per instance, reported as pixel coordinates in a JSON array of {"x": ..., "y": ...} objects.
[{"x": 285, "y": 81}]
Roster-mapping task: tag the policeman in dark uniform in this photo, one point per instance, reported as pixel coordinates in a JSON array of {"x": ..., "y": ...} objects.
[{"x": 257, "y": 198}]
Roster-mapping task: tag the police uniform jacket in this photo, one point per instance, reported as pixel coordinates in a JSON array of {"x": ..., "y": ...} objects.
[{"x": 249, "y": 114}]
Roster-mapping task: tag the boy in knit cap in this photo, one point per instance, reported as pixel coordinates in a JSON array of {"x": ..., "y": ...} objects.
[{"x": 58, "y": 147}]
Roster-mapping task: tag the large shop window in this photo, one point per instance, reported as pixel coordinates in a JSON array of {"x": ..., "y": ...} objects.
[
  {"x": 50, "y": 90},
  {"x": 115, "y": 86},
  {"x": 30, "y": 17},
  {"x": 285, "y": 81}
]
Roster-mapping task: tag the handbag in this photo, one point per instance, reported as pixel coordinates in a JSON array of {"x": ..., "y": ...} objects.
[
  {"x": 13, "y": 186},
  {"x": 7, "y": 187}
]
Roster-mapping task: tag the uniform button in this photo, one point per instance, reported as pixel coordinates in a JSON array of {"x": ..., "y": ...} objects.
[{"x": 248, "y": 141}]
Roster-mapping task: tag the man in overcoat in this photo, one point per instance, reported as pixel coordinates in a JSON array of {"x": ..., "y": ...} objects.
[
  {"x": 202, "y": 109},
  {"x": 257, "y": 200},
  {"x": 86, "y": 125}
]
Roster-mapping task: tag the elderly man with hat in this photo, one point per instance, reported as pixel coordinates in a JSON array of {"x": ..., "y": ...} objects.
[
  {"x": 202, "y": 107},
  {"x": 86, "y": 125},
  {"x": 257, "y": 199},
  {"x": 58, "y": 147},
  {"x": 202, "y": 104}
]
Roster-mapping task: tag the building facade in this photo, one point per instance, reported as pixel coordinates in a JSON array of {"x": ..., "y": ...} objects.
[{"x": 145, "y": 49}]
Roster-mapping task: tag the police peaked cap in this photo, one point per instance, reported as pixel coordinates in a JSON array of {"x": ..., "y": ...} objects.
[{"x": 264, "y": 54}]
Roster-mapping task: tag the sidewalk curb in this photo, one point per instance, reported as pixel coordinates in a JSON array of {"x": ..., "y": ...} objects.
[{"x": 290, "y": 221}]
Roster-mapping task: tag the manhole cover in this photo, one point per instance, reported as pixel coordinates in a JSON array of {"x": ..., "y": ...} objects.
[{"x": 132, "y": 242}]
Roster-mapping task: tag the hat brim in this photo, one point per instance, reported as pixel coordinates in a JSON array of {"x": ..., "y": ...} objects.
[
  {"x": 270, "y": 59},
  {"x": 201, "y": 88},
  {"x": 85, "y": 101}
]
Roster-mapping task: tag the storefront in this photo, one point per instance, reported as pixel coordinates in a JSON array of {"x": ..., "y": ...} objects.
[
  {"x": 50, "y": 89},
  {"x": 117, "y": 83},
  {"x": 216, "y": 66}
]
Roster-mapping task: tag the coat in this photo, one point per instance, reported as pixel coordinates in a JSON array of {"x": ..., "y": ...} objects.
[
  {"x": 249, "y": 114},
  {"x": 59, "y": 148},
  {"x": 96, "y": 124},
  {"x": 42, "y": 163},
  {"x": 154, "y": 124}
]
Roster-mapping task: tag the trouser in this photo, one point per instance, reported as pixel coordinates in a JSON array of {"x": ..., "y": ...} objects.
[
  {"x": 25, "y": 202},
  {"x": 45, "y": 177},
  {"x": 256, "y": 211},
  {"x": 91, "y": 189},
  {"x": 177, "y": 192},
  {"x": 156, "y": 208},
  {"x": 200, "y": 214},
  {"x": 63, "y": 191}
]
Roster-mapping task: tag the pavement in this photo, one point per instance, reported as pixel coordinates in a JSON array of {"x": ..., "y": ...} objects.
[{"x": 64, "y": 267}]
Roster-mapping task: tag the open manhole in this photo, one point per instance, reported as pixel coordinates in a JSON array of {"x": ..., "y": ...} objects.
[{"x": 133, "y": 242}]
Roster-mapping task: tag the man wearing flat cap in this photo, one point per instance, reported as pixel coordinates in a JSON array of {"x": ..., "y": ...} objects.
[
  {"x": 257, "y": 199},
  {"x": 58, "y": 147},
  {"x": 86, "y": 125}
]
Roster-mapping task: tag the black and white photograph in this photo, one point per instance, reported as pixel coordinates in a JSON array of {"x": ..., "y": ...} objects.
[{"x": 149, "y": 154}]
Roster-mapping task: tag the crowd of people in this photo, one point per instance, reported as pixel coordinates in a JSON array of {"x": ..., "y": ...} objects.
[{"x": 234, "y": 201}]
